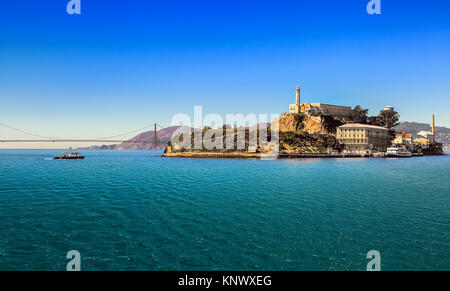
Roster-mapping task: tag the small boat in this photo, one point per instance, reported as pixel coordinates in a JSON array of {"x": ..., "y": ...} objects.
[
  {"x": 398, "y": 153},
  {"x": 71, "y": 156}
]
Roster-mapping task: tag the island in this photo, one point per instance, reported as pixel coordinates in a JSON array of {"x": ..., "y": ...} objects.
[{"x": 309, "y": 130}]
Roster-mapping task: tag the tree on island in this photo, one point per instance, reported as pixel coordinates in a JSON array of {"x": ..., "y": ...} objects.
[
  {"x": 388, "y": 119},
  {"x": 372, "y": 120},
  {"x": 359, "y": 115},
  {"x": 331, "y": 123}
]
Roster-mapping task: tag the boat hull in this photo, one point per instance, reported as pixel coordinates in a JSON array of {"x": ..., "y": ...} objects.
[{"x": 69, "y": 158}]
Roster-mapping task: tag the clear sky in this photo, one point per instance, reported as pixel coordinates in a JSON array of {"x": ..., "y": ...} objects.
[{"x": 121, "y": 65}]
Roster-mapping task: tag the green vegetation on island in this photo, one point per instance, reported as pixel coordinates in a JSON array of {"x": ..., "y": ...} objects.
[{"x": 299, "y": 134}]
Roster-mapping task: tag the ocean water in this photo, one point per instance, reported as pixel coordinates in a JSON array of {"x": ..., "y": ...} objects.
[{"x": 139, "y": 211}]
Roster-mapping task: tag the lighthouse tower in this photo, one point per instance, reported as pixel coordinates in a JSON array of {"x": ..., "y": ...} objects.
[
  {"x": 297, "y": 96},
  {"x": 296, "y": 108}
]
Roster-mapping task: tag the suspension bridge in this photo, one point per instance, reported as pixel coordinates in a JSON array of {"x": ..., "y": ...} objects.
[{"x": 108, "y": 139}]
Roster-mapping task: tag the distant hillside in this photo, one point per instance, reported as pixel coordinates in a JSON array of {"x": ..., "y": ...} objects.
[
  {"x": 442, "y": 133},
  {"x": 145, "y": 140}
]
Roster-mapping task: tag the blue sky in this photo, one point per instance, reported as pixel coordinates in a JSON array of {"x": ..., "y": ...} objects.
[{"x": 121, "y": 65}]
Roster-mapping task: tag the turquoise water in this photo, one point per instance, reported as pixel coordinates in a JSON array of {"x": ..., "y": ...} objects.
[{"x": 138, "y": 211}]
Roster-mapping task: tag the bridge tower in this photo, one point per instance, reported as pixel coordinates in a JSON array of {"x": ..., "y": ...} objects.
[{"x": 154, "y": 141}]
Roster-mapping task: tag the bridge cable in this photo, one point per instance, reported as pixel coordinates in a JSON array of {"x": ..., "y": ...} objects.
[
  {"x": 102, "y": 138},
  {"x": 28, "y": 133}
]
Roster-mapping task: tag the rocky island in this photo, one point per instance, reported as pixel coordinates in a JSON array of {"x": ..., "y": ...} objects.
[{"x": 309, "y": 130}]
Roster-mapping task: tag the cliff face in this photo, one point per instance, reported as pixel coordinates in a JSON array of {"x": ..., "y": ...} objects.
[
  {"x": 286, "y": 123},
  {"x": 291, "y": 123},
  {"x": 301, "y": 134},
  {"x": 313, "y": 125}
]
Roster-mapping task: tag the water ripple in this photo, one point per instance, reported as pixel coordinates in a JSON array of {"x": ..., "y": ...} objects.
[{"x": 137, "y": 211}]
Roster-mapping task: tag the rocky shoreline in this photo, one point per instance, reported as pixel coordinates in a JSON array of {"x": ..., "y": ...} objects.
[
  {"x": 243, "y": 155},
  {"x": 211, "y": 155}
]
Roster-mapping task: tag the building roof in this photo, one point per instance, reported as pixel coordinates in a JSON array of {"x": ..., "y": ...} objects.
[
  {"x": 320, "y": 104},
  {"x": 425, "y": 132},
  {"x": 359, "y": 125},
  {"x": 405, "y": 135}
]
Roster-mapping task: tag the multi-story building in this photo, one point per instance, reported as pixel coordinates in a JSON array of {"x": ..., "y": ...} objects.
[
  {"x": 335, "y": 110},
  {"x": 403, "y": 139},
  {"x": 311, "y": 108},
  {"x": 363, "y": 138}
]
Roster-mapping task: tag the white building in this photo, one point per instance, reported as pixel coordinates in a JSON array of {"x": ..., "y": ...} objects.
[
  {"x": 363, "y": 138},
  {"x": 426, "y": 134}
]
